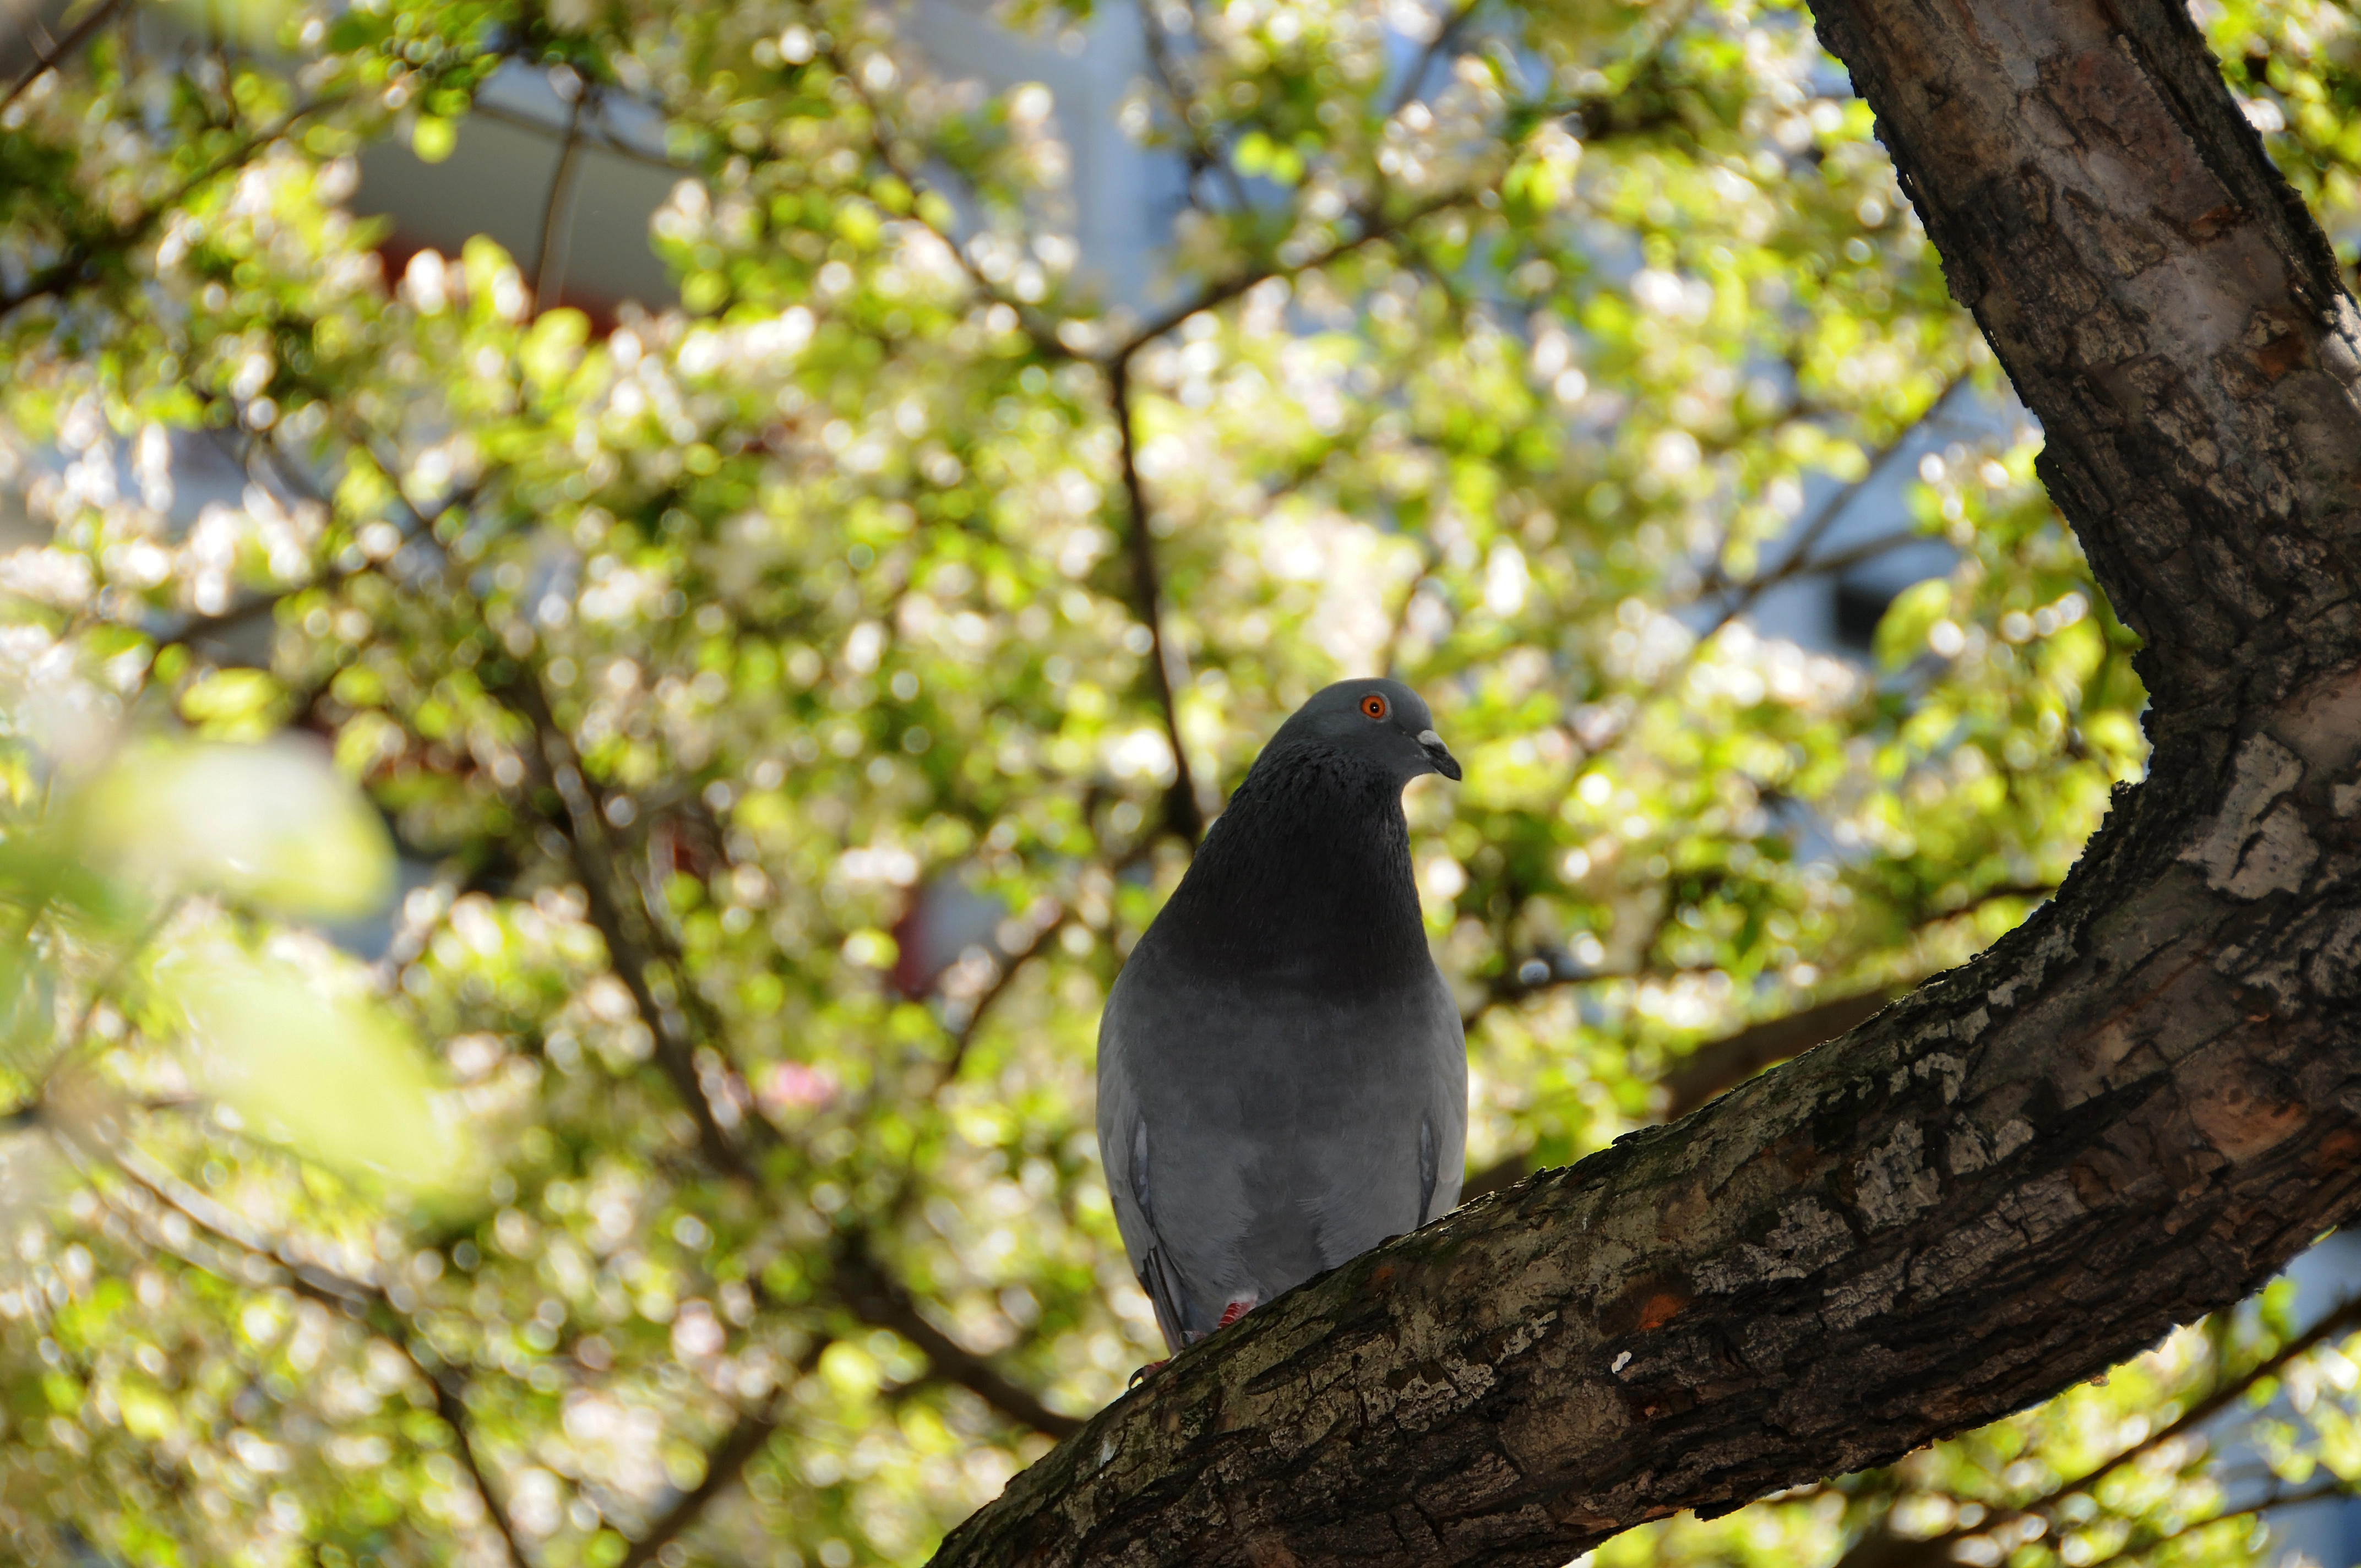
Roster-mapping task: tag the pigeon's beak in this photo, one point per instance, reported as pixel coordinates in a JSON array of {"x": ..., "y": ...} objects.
[{"x": 1438, "y": 753}]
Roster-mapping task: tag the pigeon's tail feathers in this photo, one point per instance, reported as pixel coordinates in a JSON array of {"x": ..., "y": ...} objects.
[
  {"x": 1428, "y": 1157},
  {"x": 1166, "y": 1295}
]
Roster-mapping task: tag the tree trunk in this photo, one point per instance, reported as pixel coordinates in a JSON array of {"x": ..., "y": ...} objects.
[{"x": 2128, "y": 1113}]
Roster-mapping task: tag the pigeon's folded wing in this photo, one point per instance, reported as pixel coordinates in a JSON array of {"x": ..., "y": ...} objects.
[{"x": 1124, "y": 1145}]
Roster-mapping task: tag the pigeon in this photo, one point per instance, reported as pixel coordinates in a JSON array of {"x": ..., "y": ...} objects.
[{"x": 1283, "y": 1077}]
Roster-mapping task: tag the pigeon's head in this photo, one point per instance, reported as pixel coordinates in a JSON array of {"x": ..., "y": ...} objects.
[{"x": 1381, "y": 721}]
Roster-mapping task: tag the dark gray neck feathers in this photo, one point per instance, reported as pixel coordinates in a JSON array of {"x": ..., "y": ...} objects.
[{"x": 1304, "y": 881}]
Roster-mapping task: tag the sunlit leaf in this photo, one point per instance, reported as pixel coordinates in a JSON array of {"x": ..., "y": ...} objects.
[
  {"x": 327, "y": 1075},
  {"x": 433, "y": 139},
  {"x": 270, "y": 823}
]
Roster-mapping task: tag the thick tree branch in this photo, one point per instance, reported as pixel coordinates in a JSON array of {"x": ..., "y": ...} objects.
[{"x": 2131, "y": 1111}]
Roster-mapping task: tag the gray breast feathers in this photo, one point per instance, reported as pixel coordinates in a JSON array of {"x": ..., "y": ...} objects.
[{"x": 1254, "y": 1141}]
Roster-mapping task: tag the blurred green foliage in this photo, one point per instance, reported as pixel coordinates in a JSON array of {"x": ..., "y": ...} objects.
[{"x": 641, "y": 1197}]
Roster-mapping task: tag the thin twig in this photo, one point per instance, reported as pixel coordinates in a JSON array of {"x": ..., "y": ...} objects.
[
  {"x": 867, "y": 1289},
  {"x": 30, "y": 24},
  {"x": 1184, "y": 812},
  {"x": 2345, "y": 1315},
  {"x": 68, "y": 270},
  {"x": 724, "y": 1462},
  {"x": 1723, "y": 1064},
  {"x": 723, "y": 1465},
  {"x": 1415, "y": 77},
  {"x": 114, "y": 974},
  {"x": 879, "y": 1299},
  {"x": 1009, "y": 966},
  {"x": 1845, "y": 560},
  {"x": 1752, "y": 589},
  {"x": 1505, "y": 988},
  {"x": 583, "y": 829},
  {"x": 1876, "y": 1547},
  {"x": 1204, "y": 152},
  {"x": 552, "y": 765},
  {"x": 451, "y": 1404},
  {"x": 549, "y": 261},
  {"x": 1374, "y": 229},
  {"x": 48, "y": 60},
  {"x": 1398, "y": 626},
  {"x": 881, "y": 142},
  {"x": 1808, "y": 538},
  {"x": 195, "y": 629},
  {"x": 2271, "y": 1504},
  {"x": 329, "y": 1287},
  {"x": 597, "y": 137}
]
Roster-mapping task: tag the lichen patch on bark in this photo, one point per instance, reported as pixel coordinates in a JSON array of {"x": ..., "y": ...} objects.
[{"x": 2257, "y": 843}]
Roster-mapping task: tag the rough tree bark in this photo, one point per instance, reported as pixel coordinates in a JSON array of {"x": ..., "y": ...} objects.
[{"x": 2128, "y": 1113}]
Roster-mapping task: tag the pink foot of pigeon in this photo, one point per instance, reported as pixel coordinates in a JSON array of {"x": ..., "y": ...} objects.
[{"x": 1237, "y": 1310}]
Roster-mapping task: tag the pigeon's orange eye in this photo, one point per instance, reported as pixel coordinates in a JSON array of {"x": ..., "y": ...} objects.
[{"x": 1374, "y": 704}]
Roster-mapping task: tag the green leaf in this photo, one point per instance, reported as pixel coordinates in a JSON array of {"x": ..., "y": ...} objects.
[
  {"x": 252, "y": 22},
  {"x": 1902, "y": 631},
  {"x": 553, "y": 346},
  {"x": 330, "y": 1076},
  {"x": 233, "y": 705},
  {"x": 272, "y": 824},
  {"x": 433, "y": 139}
]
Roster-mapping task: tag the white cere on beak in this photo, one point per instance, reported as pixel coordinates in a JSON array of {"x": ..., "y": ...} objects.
[{"x": 1428, "y": 738}]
